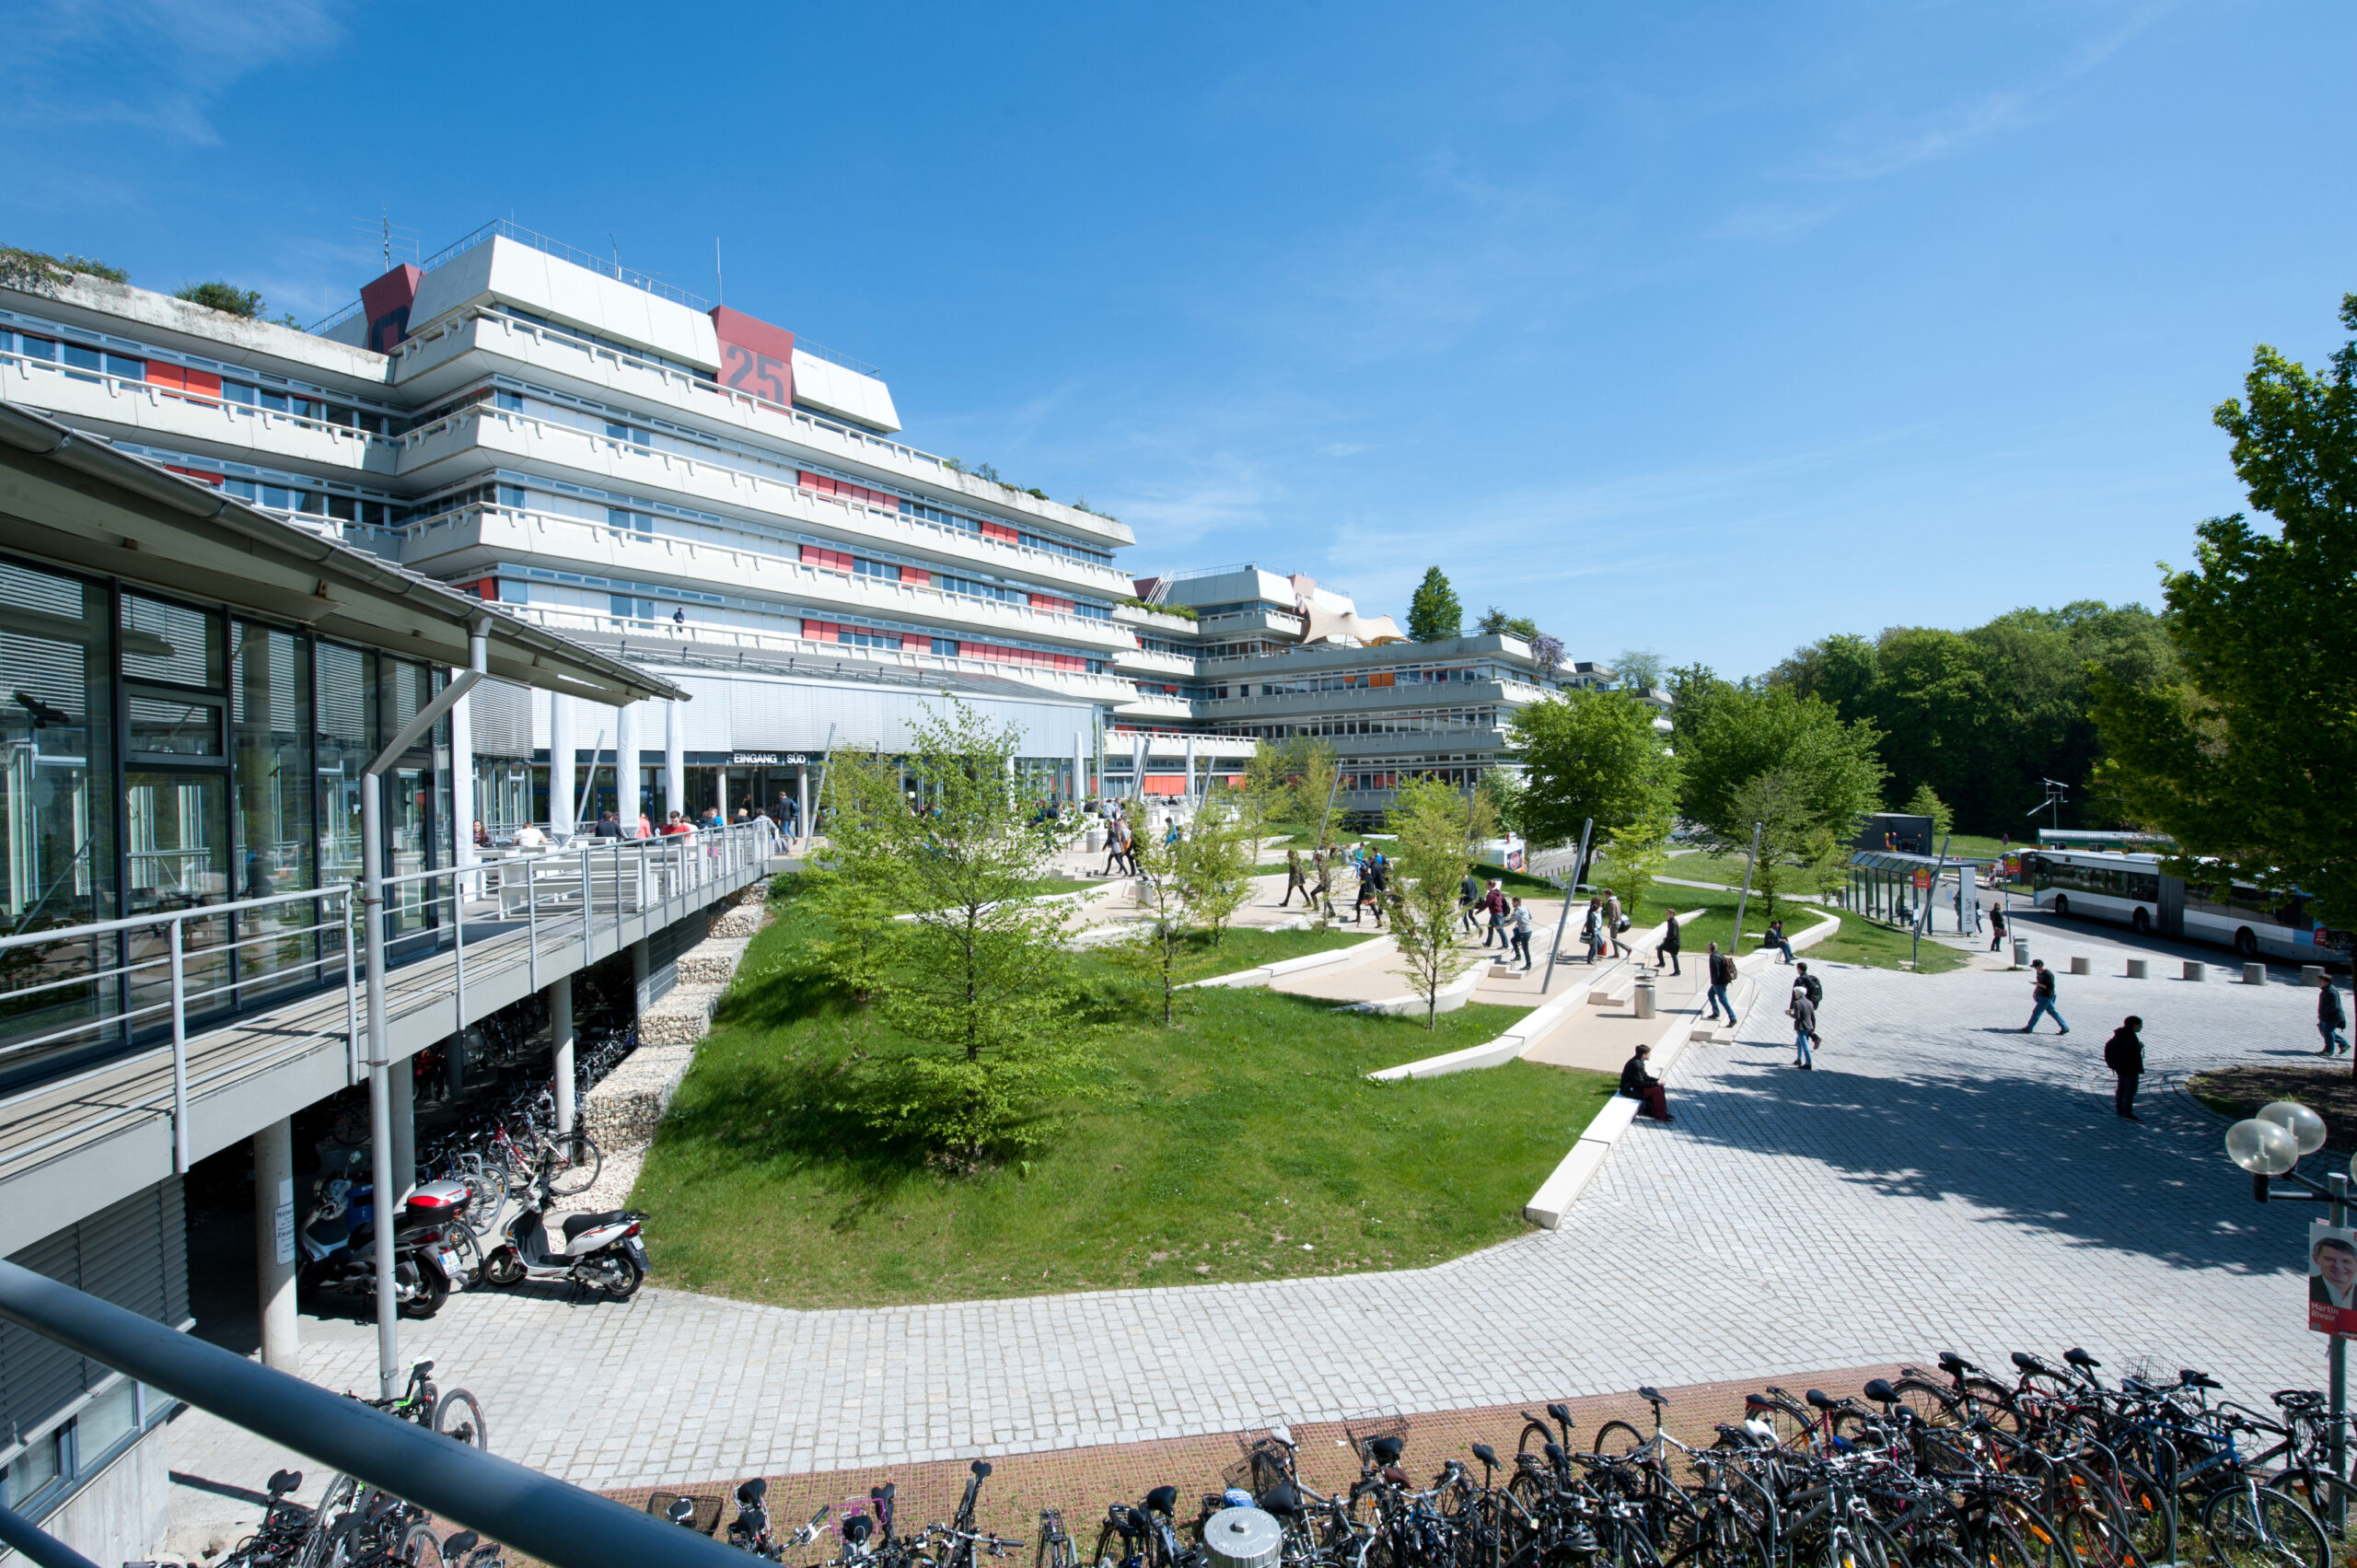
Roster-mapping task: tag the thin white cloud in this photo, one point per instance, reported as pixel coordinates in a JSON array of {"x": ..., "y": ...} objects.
[{"x": 150, "y": 64}]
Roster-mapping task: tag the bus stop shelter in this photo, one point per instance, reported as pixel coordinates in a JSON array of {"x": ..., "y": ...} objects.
[{"x": 1890, "y": 886}]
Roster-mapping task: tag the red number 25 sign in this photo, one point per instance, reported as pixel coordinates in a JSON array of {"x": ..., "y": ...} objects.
[{"x": 749, "y": 371}]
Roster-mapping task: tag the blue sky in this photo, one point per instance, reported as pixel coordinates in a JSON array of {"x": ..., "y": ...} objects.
[{"x": 1704, "y": 328}]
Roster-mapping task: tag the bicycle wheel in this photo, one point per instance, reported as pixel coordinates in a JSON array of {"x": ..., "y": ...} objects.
[
  {"x": 1935, "y": 1403},
  {"x": 1055, "y": 1550},
  {"x": 420, "y": 1548},
  {"x": 459, "y": 1414},
  {"x": 2257, "y": 1527},
  {"x": 578, "y": 1162},
  {"x": 2333, "y": 1500},
  {"x": 1720, "y": 1540},
  {"x": 1535, "y": 1435},
  {"x": 469, "y": 1251},
  {"x": 1112, "y": 1549},
  {"x": 1616, "y": 1440},
  {"x": 487, "y": 1180}
]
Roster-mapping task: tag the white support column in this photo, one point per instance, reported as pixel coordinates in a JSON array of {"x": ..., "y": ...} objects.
[
  {"x": 720, "y": 793},
  {"x": 282, "y": 1347},
  {"x": 402, "y": 1096},
  {"x": 561, "y": 1024},
  {"x": 562, "y": 786},
  {"x": 1188, "y": 793},
  {"x": 802, "y": 801},
  {"x": 626, "y": 720},
  {"x": 463, "y": 786},
  {"x": 1079, "y": 767},
  {"x": 675, "y": 769}
]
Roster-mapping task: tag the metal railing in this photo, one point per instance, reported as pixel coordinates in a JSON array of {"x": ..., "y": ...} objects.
[
  {"x": 529, "y": 1512},
  {"x": 502, "y": 228},
  {"x": 156, "y": 396},
  {"x": 119, "y": 988}
]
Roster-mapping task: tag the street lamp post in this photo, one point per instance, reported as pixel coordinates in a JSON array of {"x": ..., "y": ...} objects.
[{"x": 2270, "y": 1146}]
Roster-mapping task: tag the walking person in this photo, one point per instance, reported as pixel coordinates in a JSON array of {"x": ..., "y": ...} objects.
[
  {"x": 1996, "y": 927},
  {"x": 1803, "y": 1012},
  {"x": 1297, "y": 882},
  {"x": 1591, "y": 929},
  {"x": 1722, "y": 972},
  {"x": 1775, "y": 938},
  {"x": 1670, "y": 942},
  {"x": 1804, "y": 981},
  {"x": 1325, "y": 862},
  {"x": 2124, "y": 1054},
  {"x": 1520, "y": 923},
  {"x": 2332, "y": 1020},
  {"x": 1468, "y": 895},
  {"x": 1641, "y": 1086},
  {"x": 1615, "y": 923},
  {"x": 2041, "y": 990},
  {"x": 1115, "y": 830},
  {"x": 1494, "y": 901}
]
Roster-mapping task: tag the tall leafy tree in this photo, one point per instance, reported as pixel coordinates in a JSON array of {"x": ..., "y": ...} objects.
[
  {"x": 1433, "y": 614},
  {"x": 2250, "y": 756},
  {"x": 1435, "y": 829},
  {"x": 1833, "y": 777},
  {"x": 1590, "y": 754}
]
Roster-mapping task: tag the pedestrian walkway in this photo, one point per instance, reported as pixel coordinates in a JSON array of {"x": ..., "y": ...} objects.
[{"x": 1939, "y": 1182}]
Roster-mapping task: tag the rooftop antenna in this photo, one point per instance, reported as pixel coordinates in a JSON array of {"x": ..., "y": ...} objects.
[
  {"x": 616, "y": 245},
  {"x": 389, "y": 235},
  {"x": 719, "y": 287}
]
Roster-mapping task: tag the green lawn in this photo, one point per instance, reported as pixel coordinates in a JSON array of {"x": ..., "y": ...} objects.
[{"x": 1245, "y": 1145}]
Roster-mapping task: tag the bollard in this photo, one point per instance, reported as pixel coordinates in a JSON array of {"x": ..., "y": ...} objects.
[
  {"x": 2312, "y": 974},
  {"x": 2080, "y": 965},
  {"x": 2254, "y": 972},
  {"x": 2021, "y": 952},
  {"x": 2196, "y": 969},
  {"x": 1644, "y": 998},
  {"x": 2136, "y": 968}
]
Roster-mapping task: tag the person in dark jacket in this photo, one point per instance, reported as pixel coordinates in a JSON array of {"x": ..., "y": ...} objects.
[
  {"x": 2124, "y": 1054},
  {"x": 1638, "y": 1084},
  {"x": 1996, "y": 927},
  {"x": 608, "y": 826},
  {"x": 1670, "y": 942},
  {"x": 2041, "y": 993},
  {"x": 1722, "y": 973},
  {"x": 2330, "y": 1019}
]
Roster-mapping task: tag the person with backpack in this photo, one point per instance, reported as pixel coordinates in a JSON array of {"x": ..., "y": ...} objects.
[
  {"x": 1670, "y": 944},
  {"x": 2041, "y": 990},
  {"x": 2330, "y": 1019},
  {"x": 1296, "y": 880},
  {"x": 1722, "y": 973},
  {"x": 1494, "y": 903},
  {"x": 2124, "y": 1054},
  {"x": 1469, "y": 894},
  {"x": 1615, "y": 923},
  {"x": 1805, "y": 981}
]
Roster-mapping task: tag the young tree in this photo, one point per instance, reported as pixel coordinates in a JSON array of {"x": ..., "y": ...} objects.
[
  {"x": 1432, "y": 823},
  {"x": 1827, "y": 860},
  {"x": 1311, "y": 765},
  {"x": 1267, "y": 791},
  {"x": 1634, "y": 854},
  {"x": 1217, "y": 860},
  {"x": 857, "y": 879},
  {"x": 1159, "y": 942},
  {"x": 980, "y": 985},
  {"x": 2250, "y": 757},
  {"x": 1433, "y": 614},
  {"x": 1590, "y": 754},
  {"x": 1924, "y": 802}
]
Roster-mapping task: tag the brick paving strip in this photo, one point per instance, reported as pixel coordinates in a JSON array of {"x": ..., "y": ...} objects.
[{"x": 1082, "y": 1482}]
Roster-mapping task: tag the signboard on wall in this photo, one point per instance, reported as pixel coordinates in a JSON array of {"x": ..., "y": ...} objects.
[{"x": 755, "y": 358}]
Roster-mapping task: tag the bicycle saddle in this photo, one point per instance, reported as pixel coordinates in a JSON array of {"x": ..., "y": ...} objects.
[
  {"x": 1384, "y": 1450},
  {"x": 1486, "y": 1454},
  {"x": 1652, "y": 1395},
  {"x": 1395, "y": 1476},
  {"x": 857, "y": 1529},
  {"x": 1126, "y": 1519},
  {"x": 1880, "y": 1391},
  {"x": 1757, "y": 1402},
  {"x": 2193, "y": 1379},
  {"x": 681, "y": 1510},
  {"x": 2297, "y": 1399},
  {"x": 1955, "y": 1365},
  {"x": 1817, "y": 1401},
  {"x": 982, "y": 1469},
  {"x": 284, "y": 1481},
  {"x": 460, "y": 1544},
  {"x": 2080, "y": 1358},
  {"x": 752, "y": 1492},
  {"x": 1281, "y": 1500},
  {"x": 1561, "y": 1412},
  {"x": 1162, "y": 1500}
]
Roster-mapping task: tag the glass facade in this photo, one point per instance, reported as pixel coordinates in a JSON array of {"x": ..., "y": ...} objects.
[{"x": 162, "y": 757}]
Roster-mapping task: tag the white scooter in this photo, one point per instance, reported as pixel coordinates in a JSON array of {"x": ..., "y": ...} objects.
[{"x": 598, "y": 1252}]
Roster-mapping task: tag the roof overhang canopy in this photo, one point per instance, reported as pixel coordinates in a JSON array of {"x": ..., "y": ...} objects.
[{"x": 74, "y": 500}]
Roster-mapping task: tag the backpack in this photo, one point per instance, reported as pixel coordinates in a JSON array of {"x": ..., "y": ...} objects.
[{"x": 1815, "y": 987}]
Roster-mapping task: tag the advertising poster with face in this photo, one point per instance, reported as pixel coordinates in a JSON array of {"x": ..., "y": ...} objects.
[{"x": 2332, "y": 1279}]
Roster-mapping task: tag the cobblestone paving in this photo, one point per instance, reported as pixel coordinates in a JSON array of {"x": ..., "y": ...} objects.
[{"x": 1939, "y": 1182}]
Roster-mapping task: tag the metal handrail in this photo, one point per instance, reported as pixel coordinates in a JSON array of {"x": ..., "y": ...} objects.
[
  {"x": 157, "y": 394},
  {"x": 550, "y": 1519}
]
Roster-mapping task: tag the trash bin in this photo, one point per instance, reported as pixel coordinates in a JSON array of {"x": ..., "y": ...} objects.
[
  {"x": 2196, "y": 969},
  {"x": 2079, "y": 965},
  {"x": 2312, "y": 974},
  {"x": 2254, "y": 972},
  {"x": 2136, "y": 968},
  {"x": 1644, "y": 998},
  {"x": 2021, "y": 952},
  {"x": 1243, "y": 1537},
  {"x": 1094, "y": 840}
]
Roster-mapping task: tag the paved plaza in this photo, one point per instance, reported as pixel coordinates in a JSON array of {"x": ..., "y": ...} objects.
[{"x": 1938, "y": 1182}]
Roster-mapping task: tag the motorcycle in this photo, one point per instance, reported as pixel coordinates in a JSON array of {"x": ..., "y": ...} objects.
[
  {"x": 597, "y": 1252},
  {"x": 338, "y": 1239}
]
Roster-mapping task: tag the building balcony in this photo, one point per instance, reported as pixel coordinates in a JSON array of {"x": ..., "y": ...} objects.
[
  {"x": 200, "y": 425},
  {"x": 465, "y": 544},
  {"x": 469, "y": 443},
  {"x": 446, "y": 354},
  {"x": 1404, "y": 697},
  {"x": 1155, "y": 620},
  {"x": 1147, "y": 661},
  {"x": 1134, "y": 704}
]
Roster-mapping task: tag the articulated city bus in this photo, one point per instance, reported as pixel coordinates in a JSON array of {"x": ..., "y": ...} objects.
[{"x": 2132, "y": 890}]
